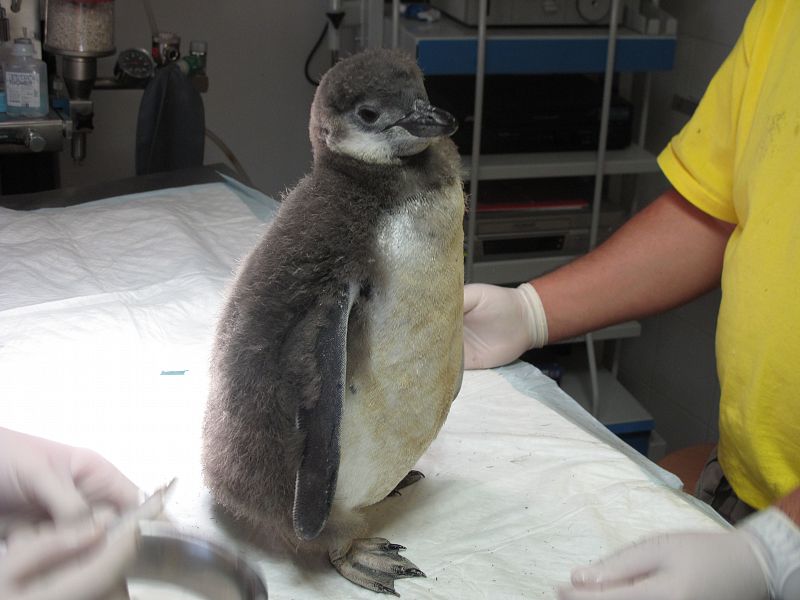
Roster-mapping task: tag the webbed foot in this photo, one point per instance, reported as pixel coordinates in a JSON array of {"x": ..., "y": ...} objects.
[
  {"x": 375, "y": 564},
  {"x": 410, "y": 478}
]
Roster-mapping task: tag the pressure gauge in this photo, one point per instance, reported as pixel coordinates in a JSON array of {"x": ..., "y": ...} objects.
[
  {"x": 134, "y": 67},
  {"x": 594, "y": 11}
]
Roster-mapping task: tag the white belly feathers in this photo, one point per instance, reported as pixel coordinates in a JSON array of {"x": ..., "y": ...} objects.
[{"x": 396, "y": 405}]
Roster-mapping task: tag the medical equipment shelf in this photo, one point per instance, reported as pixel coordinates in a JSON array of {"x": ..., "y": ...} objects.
[
  {"x": 627, "y": 329},
  {"x": 446, "y": 47},
  {"x": 631, "y": 160},
  {"x": 517, "y": 269},
  {"x": 619, "y": 412}
]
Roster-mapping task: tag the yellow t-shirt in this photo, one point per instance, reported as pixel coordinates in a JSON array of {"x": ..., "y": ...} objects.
[{"x": 738, "y": 159}]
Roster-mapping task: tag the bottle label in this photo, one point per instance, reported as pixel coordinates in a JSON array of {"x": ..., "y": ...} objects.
[{"x": 22, "y": 89}]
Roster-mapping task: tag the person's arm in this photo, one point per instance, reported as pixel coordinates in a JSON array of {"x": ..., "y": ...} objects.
[
  {"x": 790, "y": 504},
  {"x": 667, "y": 254},
  {"x": 758, "y": 560}
]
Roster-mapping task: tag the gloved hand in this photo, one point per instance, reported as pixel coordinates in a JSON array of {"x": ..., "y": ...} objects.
[
  {"x": 41, "y": 480},
  {"x": 500, "y": 324},
  {"x": 680, "y": 566},
  {"x": 79, "y": 561},
  {"x": 82, "y": 560}
]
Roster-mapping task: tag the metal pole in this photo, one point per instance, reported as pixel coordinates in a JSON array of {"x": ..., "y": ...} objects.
[
  {"x": 334, "y": 36},
  {"x": 593, "y": 380},
  {"x": 604, "y": 114},
  {"x": 474, "y": 172},
  {"x": 598, "y": 184},
  {"x": 395, "y": 23},
  {"x": 643, "y": 117},
  {"x": 645, "y": 109}
]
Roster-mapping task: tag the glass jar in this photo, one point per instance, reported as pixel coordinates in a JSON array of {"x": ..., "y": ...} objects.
[{"x": 79, "y": 27}]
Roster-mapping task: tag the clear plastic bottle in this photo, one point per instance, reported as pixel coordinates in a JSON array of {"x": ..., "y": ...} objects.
[{"x": 26, "y": 81}]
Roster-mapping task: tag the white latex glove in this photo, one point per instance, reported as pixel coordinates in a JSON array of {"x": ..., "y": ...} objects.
[
  {"x": 82, "y": 560},
  {"x": 41, "y": 480},
  {"x": 500, "y": 324},
  {"x": 680, "y": 566},
  {"x": 78, "y": 561}
]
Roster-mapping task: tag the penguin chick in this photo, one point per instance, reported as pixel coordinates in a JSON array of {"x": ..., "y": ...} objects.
[{"x": 339, "y": 350}]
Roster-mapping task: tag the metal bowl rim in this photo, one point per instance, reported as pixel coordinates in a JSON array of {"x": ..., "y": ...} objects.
[{"x": 247, "y": 573}]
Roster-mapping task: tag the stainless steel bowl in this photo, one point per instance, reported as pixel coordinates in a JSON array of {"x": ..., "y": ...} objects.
[{"x": 207, "y": 568}]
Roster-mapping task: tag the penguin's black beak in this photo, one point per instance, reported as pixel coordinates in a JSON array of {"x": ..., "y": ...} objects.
[{"x": 426, "y": 121}]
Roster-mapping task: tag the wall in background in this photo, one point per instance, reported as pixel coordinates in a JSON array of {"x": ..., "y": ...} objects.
[
  {"x": 671, "y": 368},
  {"x": 258, "y": 99}
]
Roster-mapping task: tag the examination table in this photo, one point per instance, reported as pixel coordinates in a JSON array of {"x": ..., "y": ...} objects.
[{"x": 107, "y": 311}]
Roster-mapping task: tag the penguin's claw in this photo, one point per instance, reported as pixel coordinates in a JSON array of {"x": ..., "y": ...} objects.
[
  {"x": 411, "y": 477},
  {"x": 375, "y": 564}
]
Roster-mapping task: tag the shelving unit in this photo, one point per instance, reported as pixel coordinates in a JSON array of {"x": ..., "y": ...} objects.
[
  {"x": 449, "y": 48},
  {"x": 446, "y": 47},
  {"x": 619, "y": 411},
  {"x": 628, "y": 161}
]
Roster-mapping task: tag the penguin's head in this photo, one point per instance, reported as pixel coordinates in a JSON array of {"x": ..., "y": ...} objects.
[{"x": 373, "y": 107}]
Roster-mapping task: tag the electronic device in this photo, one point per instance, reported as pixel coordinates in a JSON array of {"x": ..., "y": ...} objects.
[
  {"x": 524, "y": 218},
  {"x": 532, "y": 113},
  {"x": 547, "y": 233},
  {"x": 529, "y": 12}
]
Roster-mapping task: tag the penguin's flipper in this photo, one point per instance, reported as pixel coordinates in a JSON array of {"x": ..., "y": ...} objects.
[{"x": 319, "y": 417}]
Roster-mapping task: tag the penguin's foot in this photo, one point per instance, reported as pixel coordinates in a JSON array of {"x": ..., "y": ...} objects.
[
  {"x": 411, "y": 478},
  {"x": 374, "y": 563}
]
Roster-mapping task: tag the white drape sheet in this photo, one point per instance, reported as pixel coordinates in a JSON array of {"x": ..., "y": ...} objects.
[{"x": 106, "y": 316}]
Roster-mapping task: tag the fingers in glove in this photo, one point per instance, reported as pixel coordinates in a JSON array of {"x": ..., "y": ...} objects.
[
  {"x": 631, "y": 563},
  {"x": 101, "y": 482},
  {"x": 485, "y": 315},
  {"x": 104, "y": 569},
  {"x": 473, "y": 294},
  {"x": 54, "y": 490},
  {"x": 31, "y": 553},
  {"x": 648, "y": 589},
  {"x": 94, "y": 574}
]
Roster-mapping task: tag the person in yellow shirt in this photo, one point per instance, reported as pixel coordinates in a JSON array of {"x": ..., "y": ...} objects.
[{"x": 732, "y": 217}]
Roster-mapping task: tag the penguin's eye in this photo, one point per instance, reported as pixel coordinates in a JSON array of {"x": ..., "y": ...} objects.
[{"x": 367, "y": 114}]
